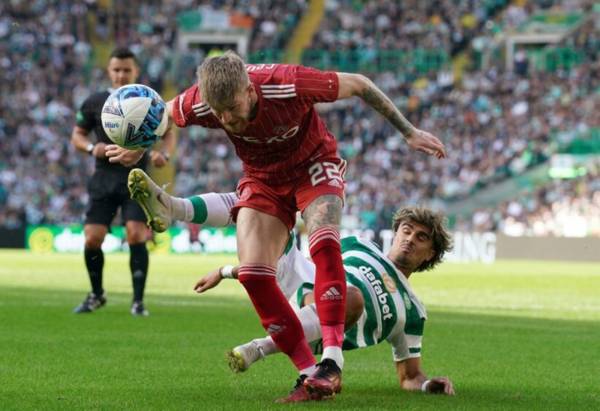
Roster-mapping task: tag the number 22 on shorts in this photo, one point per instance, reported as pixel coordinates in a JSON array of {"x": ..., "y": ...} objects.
[{"x": 325, "y": 171}]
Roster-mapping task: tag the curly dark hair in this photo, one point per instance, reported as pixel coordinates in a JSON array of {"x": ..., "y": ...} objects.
[{"x": 436, "y": 222}]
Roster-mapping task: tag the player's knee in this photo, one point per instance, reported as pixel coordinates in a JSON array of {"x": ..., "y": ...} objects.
[
  {"x": 93, "y": 240},
  {"x": 355, "y": 305},
  {"x": 136, "y": 238},
  {"x": 136, "y": 233},
  {"x": 94, "y": 235},
  {"x": 93, "y": 243}
]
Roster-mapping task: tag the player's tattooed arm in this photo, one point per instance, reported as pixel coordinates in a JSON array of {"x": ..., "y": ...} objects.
[
  {"x": 360, "y": 86},
  {"x": 377, "y": 99},
  {"x": 324, "y": 211}
]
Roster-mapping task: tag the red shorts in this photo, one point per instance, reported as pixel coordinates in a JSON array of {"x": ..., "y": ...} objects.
[{"x": 324, "y": 176}]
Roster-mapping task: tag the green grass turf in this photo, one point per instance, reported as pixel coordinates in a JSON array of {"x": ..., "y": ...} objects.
[{"x": 513, "y": 335}]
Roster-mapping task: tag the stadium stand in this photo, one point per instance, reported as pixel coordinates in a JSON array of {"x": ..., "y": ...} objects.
[
  {"x": 562, "y": 208},
  {"x": 45, "y": 51},
  {"x": 495, "y": 123}
]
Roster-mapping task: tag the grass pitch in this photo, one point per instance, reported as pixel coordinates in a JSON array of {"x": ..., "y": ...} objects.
[{"x": 513, "y": 335}]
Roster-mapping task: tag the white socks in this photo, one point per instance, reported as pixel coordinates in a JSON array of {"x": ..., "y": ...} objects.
[
  {"x": 335, "y": 354},
  {"x": 211, "y": 209},
  {"x": 182, "y": 209},
  {"x": 312, "y": 331}
]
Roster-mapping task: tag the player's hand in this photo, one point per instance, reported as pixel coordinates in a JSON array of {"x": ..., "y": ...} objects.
[
  {"x": 426, "y": 142},
  {"x": 208, "y": 281},
  {"x": 118, "y": 154},
  {"x": 440, "y": 385},
  {"x": 99, "y": 150},
  {"x": 158, "y": 158}
]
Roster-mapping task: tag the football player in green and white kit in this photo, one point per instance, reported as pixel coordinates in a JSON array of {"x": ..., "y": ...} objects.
[{"x": 380, "y": 304}]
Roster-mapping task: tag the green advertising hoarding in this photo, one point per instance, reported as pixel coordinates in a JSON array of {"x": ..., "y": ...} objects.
[{"x": 53, "y": 238}]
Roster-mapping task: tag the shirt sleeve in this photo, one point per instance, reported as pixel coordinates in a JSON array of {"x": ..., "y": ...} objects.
[
  {"x": 85, "y": 117},
  {"x": 316, "y": 86},
  {"x": 405, "y": 346},
  {"x": 189, "y": 109}
]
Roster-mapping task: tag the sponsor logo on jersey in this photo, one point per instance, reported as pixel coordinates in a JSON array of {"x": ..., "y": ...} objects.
[
  {"x": 257, "y": 67},
  {"x": 379, "y": 289},
  {"x": 279, "y": 130},
  {"x": 331, "y": 294},
  {"x": 270, "y": 140}
]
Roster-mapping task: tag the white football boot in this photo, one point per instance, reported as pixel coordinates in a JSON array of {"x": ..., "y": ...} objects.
[
  {"x": 243, "y": 356},
  {"x": 155, "y": 201}
]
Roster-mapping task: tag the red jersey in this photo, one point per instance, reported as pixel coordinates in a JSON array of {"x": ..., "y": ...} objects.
[{"x": 287, "y": 134}]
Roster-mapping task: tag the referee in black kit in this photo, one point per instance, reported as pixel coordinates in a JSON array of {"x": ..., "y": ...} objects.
[{"x": 108, "y": 189}]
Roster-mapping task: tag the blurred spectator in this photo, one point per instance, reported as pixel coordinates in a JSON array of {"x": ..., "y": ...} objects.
[
  {"x": 495, "y": 124},
  {"x": 562, "y": 208}
]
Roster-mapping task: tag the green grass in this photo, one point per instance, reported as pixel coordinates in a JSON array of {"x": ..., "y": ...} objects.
[{"x": 513, "y": 335}]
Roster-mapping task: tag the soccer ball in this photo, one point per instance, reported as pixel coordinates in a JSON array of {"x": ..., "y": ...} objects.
[{"x": 134, "y": 116}]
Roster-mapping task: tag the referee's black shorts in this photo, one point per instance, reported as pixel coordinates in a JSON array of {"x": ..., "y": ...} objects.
[{"x": 107, "y": 192}]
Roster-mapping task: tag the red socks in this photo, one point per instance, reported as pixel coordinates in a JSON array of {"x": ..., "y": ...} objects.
[
  {"x": 276, "y": 314},
  {"x": 330, "y": 284}
]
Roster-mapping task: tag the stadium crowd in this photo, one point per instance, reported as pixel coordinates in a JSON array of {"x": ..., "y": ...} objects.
[
  {"x": 495, "y": 124},
  {"x": 44, "y": 55},
  {"x": 440, "y": 24},
  {"x": 561, "y": 208}
]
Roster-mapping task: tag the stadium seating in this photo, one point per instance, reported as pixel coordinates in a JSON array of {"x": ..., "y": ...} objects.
[
  {"x": 495, "y": 124},
  {"x": 561, "y": 208}
]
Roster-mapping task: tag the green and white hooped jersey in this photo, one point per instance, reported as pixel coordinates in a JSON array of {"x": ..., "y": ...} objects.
[{"x": 392, "y": 311}]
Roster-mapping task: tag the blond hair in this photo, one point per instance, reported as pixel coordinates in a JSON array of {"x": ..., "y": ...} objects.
[
  {"x": 221, "y": 78},
  {"x": 436, "y": 222}
]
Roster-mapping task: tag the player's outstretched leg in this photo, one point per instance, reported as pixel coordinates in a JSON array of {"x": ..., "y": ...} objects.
[
  {"x": 243, "y": 356},
  {"x": 155, "y": 202}
]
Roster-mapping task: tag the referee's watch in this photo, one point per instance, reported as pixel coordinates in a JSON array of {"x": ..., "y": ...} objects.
[
  {"x": 89, "y": 149},
  {"x": 165, "y": 155}
]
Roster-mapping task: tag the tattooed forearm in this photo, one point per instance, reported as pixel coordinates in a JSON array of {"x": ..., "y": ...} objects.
[
  {"x": 376, "y": 98},
  {"x": 324, "y": 210}
]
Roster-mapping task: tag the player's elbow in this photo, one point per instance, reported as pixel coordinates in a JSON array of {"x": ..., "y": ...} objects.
[
  {"x": 361, "y": 84},
  {"x": 76, "y": 136},
  {"x": 352, "y": 84}
]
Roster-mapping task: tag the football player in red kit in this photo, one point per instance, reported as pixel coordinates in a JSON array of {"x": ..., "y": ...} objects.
[{"x": 290, "y": 163}]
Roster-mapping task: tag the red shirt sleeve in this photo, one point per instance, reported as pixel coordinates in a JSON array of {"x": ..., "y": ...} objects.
[
  {"x": 188, "y": 109},
  {"x": 316, "y": 86}
]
